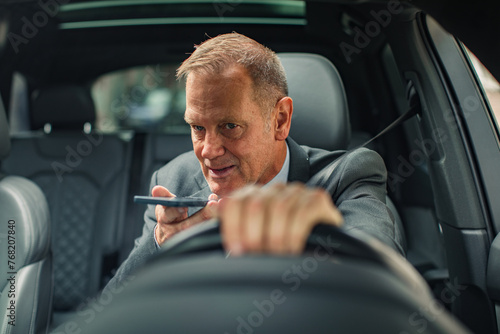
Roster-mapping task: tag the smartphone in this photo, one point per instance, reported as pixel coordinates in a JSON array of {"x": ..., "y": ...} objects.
[{"x": 172, "y": 201}]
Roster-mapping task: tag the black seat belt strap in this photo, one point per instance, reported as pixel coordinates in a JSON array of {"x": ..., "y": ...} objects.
[
  {"x": 414, "y": 108},
  {"x": 401, "y": 119},
  {"x": 321, "y": 179}
]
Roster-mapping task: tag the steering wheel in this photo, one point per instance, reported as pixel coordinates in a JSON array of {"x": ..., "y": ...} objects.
[
  {"x": 206, "y": 237},
  {"x": 326, "y": 238},
  {"x": 241, "y": 293}
]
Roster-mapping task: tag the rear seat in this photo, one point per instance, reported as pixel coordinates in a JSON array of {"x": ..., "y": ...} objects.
[{"x": 85, "y": 179}]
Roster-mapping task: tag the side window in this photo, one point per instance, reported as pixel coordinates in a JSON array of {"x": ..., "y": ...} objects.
[
  {"x": 490, "y": 86},
  {"x": 146, "y": 98}
]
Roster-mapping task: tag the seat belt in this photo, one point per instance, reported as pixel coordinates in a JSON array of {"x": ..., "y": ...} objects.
[
  {"x": 414, "y": 108},
  {"x": 321, "y": 179}
]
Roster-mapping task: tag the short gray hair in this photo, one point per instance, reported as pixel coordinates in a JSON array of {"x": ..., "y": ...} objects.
[{"x": 262, "y": 64}]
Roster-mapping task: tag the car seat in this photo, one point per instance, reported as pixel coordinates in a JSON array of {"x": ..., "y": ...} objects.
[
  {"x": 320, "y": 113},
  {"x": 84, "y": 175},
  {"x": 25, "y": 261}
]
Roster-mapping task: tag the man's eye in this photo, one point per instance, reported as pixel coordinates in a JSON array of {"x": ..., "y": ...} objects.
[
  {"x": 197, "y": 128},
  {"x": 230, "y": 126}
]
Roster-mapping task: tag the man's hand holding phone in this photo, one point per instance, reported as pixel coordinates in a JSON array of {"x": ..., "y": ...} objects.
[{"x": 172, "y": 220}]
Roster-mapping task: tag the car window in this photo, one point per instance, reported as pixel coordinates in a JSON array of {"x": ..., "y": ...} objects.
[
  {"x": 490, "y": 86},
  {"x": 146, "y": 98}
]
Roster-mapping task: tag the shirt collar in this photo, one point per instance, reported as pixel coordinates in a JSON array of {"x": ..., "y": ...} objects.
[{"x": 282, "y": 176}]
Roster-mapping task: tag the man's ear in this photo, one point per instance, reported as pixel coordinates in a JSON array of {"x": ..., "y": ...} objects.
[{"x": 284, "y": 111}]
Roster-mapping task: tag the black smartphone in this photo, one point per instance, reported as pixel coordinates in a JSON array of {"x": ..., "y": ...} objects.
[{"x": 172, "y": 201}]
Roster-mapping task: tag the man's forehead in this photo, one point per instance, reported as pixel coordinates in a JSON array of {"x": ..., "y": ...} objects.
[
  {"x": 233, "y": 74},
  {"x": 204, "y": 117},
  {"x": 218, "y": 115}
]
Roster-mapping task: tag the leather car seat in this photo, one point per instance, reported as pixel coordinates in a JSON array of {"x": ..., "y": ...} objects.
[
  {"x": 25, "y": 259},
  {"x": 84, "y": 176},
  {"x": 321, "y": 114}
]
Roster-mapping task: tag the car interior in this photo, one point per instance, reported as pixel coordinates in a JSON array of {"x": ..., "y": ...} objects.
[
  {"x": 27, "y": 265},
  {"x": 92, "y": 108}
]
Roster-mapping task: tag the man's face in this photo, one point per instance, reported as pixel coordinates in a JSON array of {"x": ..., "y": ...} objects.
[{"x": 233, "y": 139}]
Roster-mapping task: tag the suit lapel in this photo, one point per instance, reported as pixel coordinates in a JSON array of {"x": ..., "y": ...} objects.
[
  {"x": 299, "y": 163},
  {"x": 200, "y": 181},
  {"x": 203, "y": 192}
]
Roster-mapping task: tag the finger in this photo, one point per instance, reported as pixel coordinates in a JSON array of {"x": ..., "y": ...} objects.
[
  {"x": 208, "y": 212},
  {"x": 301, "y": 223},
  {"x": 229, "y": 213},
  {"x": 253, "y": 218},
  {"x": 212, "y": 207},
  {"x": 211, "y": 210},
  {"x": 159, "y": 191},
  {"x": 164, "y": 214},
  {"x": 172, "y": 220},
  {"x": 169, "y": 215},
  {"x": 331, "y": 214},
  {"x": 281, "y": 209},
  {"x": 314, "y": 207},
  {"x": 167, "y": 226},
  {"x": 232, "y": 216}
]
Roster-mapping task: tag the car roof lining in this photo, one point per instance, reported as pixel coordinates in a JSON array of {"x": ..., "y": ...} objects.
[
  {"x": 71, "y": 14},
  {"x": 452, "y": 18},
  {"x": 81, "y": 55}
]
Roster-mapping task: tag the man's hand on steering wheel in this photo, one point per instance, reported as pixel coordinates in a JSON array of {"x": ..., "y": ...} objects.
[{"x": 275, "y": 220}]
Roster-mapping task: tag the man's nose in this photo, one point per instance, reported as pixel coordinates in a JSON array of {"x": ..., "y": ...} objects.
[{"x": 213, "y": 147}]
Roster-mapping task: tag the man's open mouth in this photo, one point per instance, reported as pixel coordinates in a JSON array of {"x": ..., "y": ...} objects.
[{"x": 221, "y": 172}]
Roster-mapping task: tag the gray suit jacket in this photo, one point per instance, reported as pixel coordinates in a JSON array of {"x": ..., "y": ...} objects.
[{"x": 357, "y": 186}]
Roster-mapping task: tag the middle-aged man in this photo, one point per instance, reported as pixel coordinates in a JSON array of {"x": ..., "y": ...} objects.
[{"x": 239, "y": 111}]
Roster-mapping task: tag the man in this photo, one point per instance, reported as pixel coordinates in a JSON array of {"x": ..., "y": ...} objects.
[{"x": 239, "y": 111}]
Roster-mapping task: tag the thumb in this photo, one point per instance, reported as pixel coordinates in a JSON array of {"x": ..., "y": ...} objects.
[{"x": 159, "y": 191}]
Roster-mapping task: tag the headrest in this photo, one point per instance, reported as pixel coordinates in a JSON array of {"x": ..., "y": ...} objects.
[
  {"x": 320, "y": 113},
  {"x": 4, "y": 133},
  {"x": 63, "y": 107}
]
